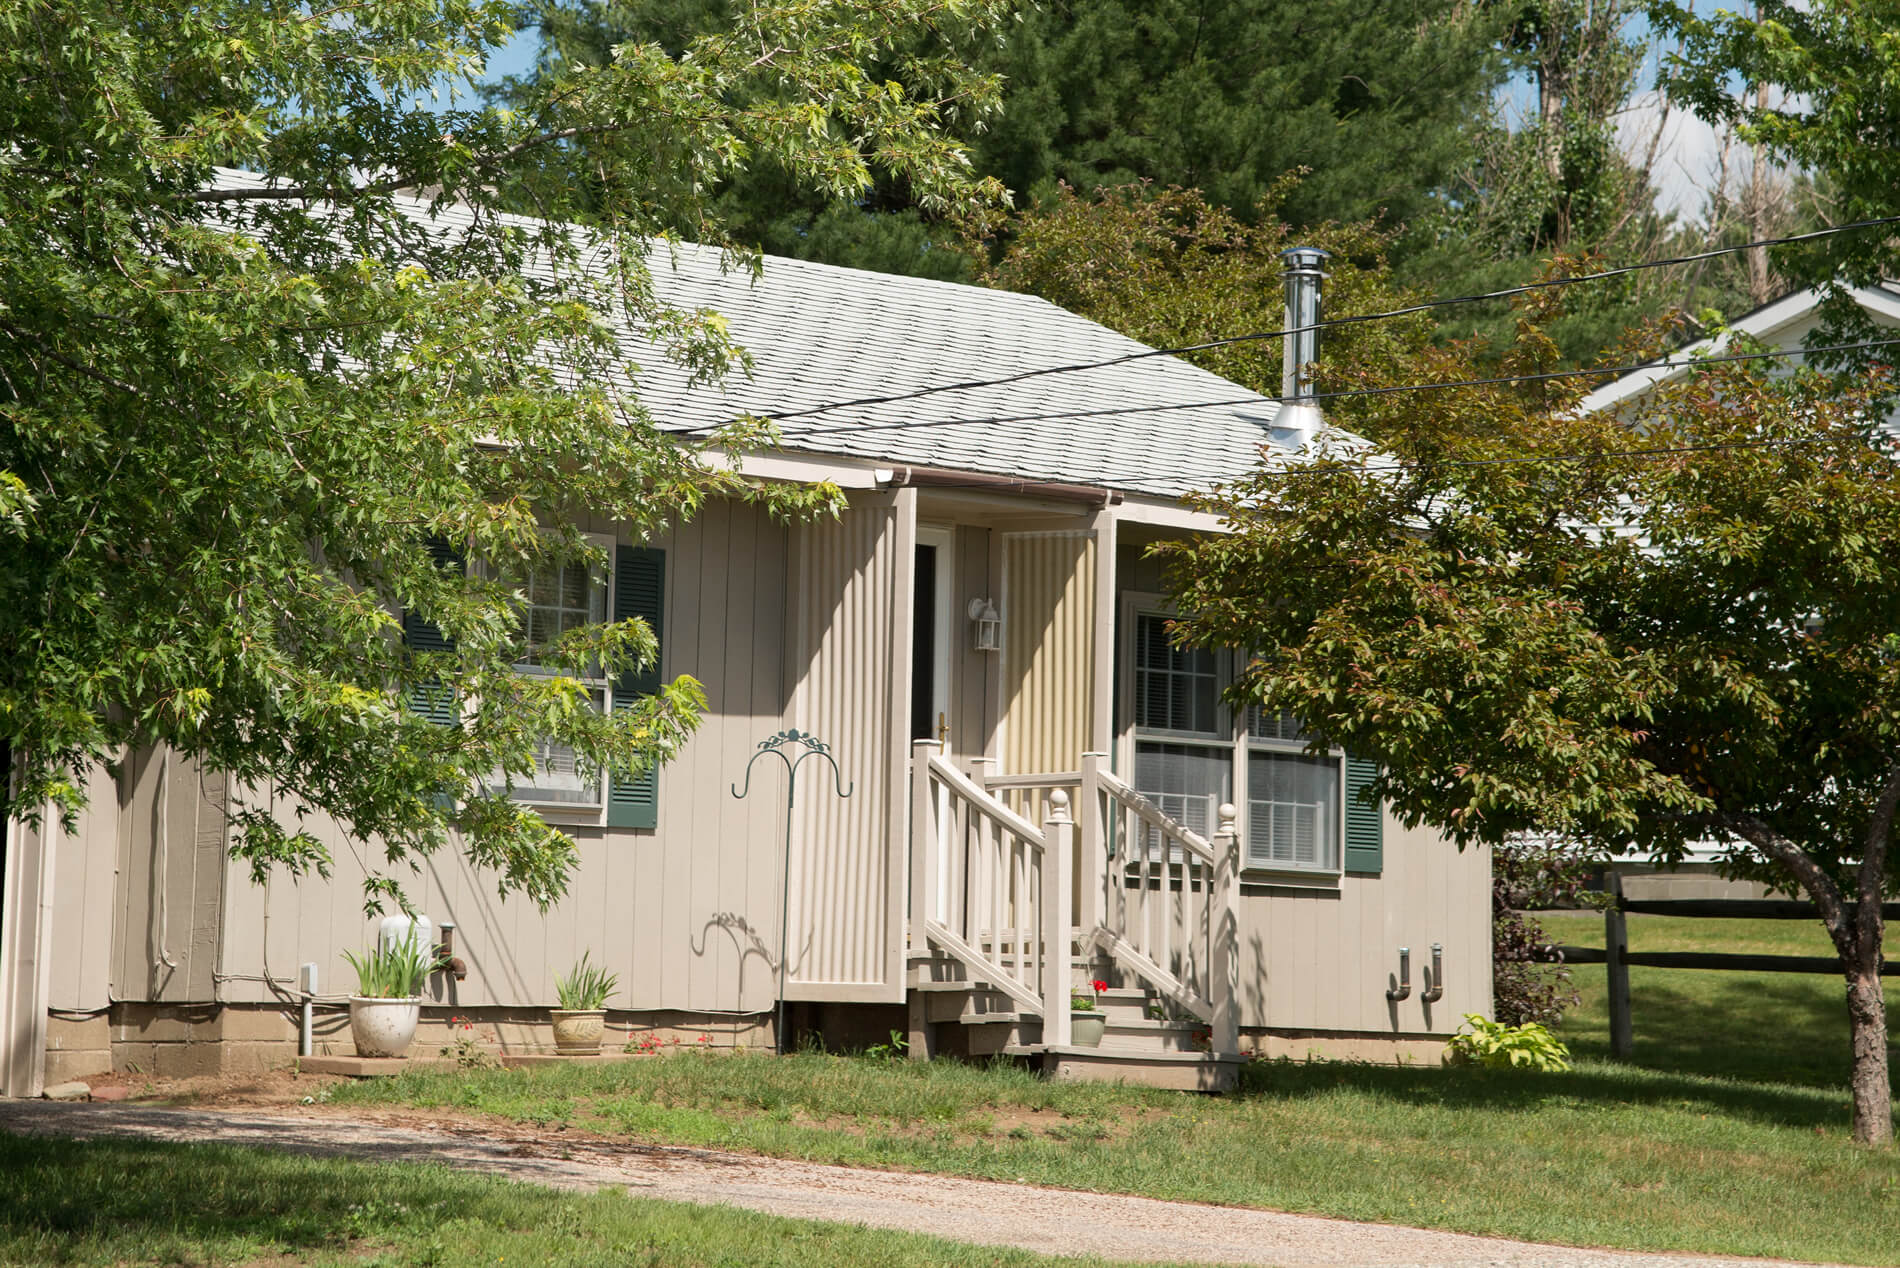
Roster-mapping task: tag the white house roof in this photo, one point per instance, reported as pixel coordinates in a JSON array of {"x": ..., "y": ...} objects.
[
  {"x": 1784, "y": 323},
  {"x": 820, "y": 335}
]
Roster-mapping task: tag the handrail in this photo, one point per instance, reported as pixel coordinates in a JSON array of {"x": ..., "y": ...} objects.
[
  {"x": 961, "y": 783},
  {"x": 1058, "y": 779},
  {"x": 1154, "y": 817}
]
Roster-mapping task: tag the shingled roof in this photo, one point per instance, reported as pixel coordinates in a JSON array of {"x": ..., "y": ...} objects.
[{"x": 820, "y": 335}]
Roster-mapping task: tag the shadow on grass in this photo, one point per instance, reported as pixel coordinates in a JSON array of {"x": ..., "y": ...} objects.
[
  {"x": 87, "y": 1200},
  {"x": 1513, "y": 1091},
  {"x": 1770, "y": 1028}
]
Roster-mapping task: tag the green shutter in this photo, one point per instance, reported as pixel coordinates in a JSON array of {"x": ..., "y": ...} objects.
[
  {"x": 1365, "y": 818},
  {"x": 433, "y": 700},
  {"x": 639, "y": 590}
]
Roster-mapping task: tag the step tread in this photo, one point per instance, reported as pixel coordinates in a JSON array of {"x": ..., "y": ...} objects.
[{"x": 1117, "y": 1053}]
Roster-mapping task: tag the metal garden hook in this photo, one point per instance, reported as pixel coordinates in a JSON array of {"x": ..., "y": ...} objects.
[{"x": 783, "y": 746}]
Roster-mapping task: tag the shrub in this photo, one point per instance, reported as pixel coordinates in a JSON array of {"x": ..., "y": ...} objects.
[
  {"x": 1529, "y": 981},
  {"x": 1496, "y": 1046}
]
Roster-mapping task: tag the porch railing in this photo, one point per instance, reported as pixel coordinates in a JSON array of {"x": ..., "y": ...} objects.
[
  {"x": 1169, "y": 899},
  {"x": 992, "y": 888}
]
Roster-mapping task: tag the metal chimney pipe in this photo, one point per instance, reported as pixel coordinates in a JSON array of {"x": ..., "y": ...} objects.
[{"x": 1303, "y": 273}]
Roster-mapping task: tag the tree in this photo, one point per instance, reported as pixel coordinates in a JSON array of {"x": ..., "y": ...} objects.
[
  {"x": 1822, "y": 99},
  {"x": 245, "y": 418},
  {"x": 1377, "y": 98},
  {"x": 1167, "y": 267},
  {"x": 1638, "y": 633}
]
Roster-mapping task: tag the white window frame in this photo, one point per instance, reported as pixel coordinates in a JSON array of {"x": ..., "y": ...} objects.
[
  {"x": 581, "y": 813},
  {"x": 1232, "y": 736},
  {"x": 1248, "y": 745}
]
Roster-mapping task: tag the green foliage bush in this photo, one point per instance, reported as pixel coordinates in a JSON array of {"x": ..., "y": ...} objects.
[{"x": 1496, "y": 1046}]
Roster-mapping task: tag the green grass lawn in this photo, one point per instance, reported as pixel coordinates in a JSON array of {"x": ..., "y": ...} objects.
[
  {"x": 1784, "y": 1028},
  {"x": 117, "y": 1202},
  {"x": 1605, "y": 1155}
]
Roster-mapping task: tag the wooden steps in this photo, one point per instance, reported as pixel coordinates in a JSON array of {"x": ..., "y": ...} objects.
[{"x": 1144, "y": 1042}]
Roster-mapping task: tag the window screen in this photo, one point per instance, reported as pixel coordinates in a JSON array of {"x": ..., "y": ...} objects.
[
  {"x": 560, "y": 778},
  {"x": 1187, "y": 782},
  {"x": 1292, "y": 811}
]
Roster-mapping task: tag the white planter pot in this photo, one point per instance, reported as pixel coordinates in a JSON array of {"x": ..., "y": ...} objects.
[
  {"x": 577, "y": 1032},
  {"x": 383, "y": 1027},
  {"x": 1086, "y": 1028}
]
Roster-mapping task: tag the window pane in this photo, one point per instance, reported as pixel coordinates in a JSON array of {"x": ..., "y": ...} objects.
[
  {"x": 560, "y": 598},
  {"x": 1186, "y": 782},
  {"x": 1175, "y": 689},
  {"x": 1292, "y": 811},
  {"x": 1281, "y": 725}
]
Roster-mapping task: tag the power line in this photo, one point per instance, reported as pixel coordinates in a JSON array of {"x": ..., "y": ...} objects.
[
  {"x": 1292, "y": 473},
  {"x": 992, "y": 420},
  {"x": 1258, "y": 336}
]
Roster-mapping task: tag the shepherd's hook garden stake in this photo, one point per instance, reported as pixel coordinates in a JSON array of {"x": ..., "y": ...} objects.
[{"x": 805, "y": 746}]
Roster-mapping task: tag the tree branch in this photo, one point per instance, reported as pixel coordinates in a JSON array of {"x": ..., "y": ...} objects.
[{"x": 1811, "y": 875}]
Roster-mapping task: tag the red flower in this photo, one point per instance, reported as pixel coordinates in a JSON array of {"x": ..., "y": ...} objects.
[{"x": 1099, "y": 984}]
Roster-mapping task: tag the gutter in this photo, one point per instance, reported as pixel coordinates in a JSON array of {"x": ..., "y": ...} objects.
[{"x": 939, "y": 478}]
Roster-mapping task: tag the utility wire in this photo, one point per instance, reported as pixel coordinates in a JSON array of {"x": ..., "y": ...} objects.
[
  {"x": 1257, "y": 336},
  {"x": 792, "y": 437}
]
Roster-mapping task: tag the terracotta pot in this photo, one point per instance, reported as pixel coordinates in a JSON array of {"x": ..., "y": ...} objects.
[
  {"x": 1086, "y": 1028},
  {"x": 577, "y": 1033},
  {"x": 383, "y": 1027}
]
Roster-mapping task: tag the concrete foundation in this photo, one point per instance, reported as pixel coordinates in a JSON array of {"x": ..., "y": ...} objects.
[{"x": 185, "y": 1040}]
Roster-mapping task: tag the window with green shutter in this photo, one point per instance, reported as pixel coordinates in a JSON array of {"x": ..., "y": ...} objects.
[
  {"x": 433, "y": 700},
  {"x": 639, "y": 590}
]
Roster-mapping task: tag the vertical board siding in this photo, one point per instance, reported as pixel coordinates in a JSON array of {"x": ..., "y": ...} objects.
[
  {"x": 1048, "y": 650},
  {"x": 169, "y": 910},
  {"x": 680, "y": 912},
  {"x": 845, "y": 685},
  {"x": 1321, "y": 958},
  {"x": 83, "y": 897}
]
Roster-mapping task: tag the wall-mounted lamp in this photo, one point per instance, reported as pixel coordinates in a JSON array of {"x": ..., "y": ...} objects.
[{"x": 986, "y": 627}]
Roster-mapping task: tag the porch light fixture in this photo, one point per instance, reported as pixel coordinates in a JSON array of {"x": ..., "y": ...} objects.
[{"x": 986, "y": 627}]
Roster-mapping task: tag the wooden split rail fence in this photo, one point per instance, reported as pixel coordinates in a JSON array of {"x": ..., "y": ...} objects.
[{"x": 1617, "y": 958}]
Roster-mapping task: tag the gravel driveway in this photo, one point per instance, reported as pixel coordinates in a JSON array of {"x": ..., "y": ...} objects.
[{"x": 1052, "y": 1221}]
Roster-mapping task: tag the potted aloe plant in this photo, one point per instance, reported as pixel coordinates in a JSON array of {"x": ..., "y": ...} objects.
[
  {"x": 388, "y": 999},
  {"x": 1087, "y": 1023},
  {"x": 582, "y": 1016}
]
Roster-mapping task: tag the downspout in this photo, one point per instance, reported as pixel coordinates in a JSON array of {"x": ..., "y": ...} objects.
[{"x": 1299, "y": 418}]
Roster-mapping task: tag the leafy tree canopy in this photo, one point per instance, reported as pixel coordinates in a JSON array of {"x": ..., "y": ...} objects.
[
  {"x": 1642, "y": 632},
  {"x": 1377, "y": 99},
  {"x": 1825, "y": 76},
  {"x": 1167, "y": 267},
  {"x": 236, "y": 411}
]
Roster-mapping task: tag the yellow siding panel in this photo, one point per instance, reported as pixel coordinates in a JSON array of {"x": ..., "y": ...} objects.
[{"x": 1048, "y": 650}]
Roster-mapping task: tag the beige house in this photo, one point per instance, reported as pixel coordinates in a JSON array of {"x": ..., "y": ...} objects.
[{"x": 1043, "y": 791}]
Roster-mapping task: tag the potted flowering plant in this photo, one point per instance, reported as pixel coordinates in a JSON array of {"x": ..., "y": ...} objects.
[
  {"x": 1087, "y": 1022},
  {"x": 582, "y": 1016},
  {"x": 388, "y": 999}
]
